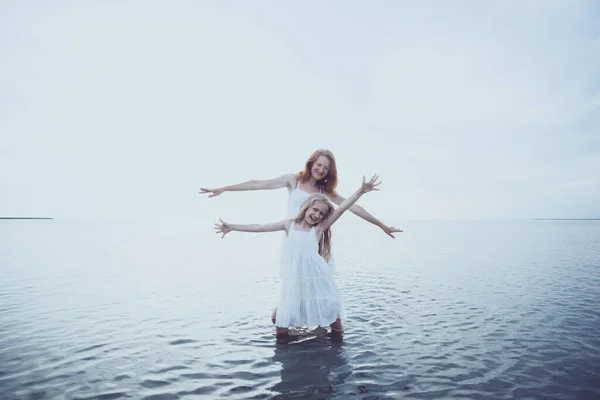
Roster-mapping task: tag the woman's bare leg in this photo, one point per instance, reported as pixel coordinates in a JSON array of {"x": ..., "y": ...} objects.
[{"x": 274, "y": 315}]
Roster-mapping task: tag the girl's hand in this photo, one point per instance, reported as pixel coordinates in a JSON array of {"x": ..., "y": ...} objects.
[
  {"x": 215, "y": 192},
  {"x": 389, "y": 230},
  {"x": 371, "y": 184},
  {"x": 222, "y": 228}
]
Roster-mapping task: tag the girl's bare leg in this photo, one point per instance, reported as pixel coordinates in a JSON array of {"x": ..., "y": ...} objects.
[
  {"x": 281, "y": 331},
  {"x": 337, "y": 326},
  {"x": 282, "y": 336},
  {"x": 337, "y": 331}
]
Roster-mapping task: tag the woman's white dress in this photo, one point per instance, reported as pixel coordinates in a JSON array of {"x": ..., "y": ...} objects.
[{"x": 309, "y": 295}]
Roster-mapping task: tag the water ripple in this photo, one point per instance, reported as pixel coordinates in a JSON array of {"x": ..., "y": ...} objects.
[{"x": 456, "y": 310}]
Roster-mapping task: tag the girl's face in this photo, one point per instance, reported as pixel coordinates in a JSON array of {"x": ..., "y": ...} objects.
[
  {"x": 320, "y": 168},
  {"x": 316, "y": 212}
]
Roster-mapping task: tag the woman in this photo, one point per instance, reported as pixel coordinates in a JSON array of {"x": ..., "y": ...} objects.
[{"x": 318, "y": 176}]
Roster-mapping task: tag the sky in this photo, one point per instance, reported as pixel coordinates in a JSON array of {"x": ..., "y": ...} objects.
[{"x": 466, "y": 109}]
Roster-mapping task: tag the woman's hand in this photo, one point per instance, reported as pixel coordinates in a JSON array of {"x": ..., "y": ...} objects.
[
  {"x": 390, "y": 230},
  {"x": 215, "y": 192}
]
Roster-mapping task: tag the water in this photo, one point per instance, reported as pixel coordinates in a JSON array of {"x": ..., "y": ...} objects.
[{"x": 167, "y": 310}]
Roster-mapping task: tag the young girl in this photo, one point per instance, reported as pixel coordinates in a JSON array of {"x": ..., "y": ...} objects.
[{"x": 309, "y": 295}]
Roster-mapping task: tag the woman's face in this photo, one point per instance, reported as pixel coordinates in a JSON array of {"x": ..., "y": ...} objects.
[{"x": 320, "y": 168}]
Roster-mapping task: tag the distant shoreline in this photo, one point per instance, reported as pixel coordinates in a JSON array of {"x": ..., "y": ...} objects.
[
  {"x": 567, "y": 219},
  {"x": 26, "y": 218}
]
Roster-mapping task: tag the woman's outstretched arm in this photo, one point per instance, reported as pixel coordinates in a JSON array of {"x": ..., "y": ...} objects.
[
  {"x": 287, "y": 180},
  {"x": 361, "y": 212}
]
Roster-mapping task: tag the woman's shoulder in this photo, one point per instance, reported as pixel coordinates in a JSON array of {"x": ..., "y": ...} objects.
[
  {"x": 291, "y": 180},
  {"x": 334, "y": 197}
]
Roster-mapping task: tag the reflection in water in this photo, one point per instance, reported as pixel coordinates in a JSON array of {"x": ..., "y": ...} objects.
[{"x": 314, "y": 367}]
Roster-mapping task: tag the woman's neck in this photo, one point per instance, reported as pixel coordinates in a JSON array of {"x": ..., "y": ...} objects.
[{"x": 312, "y": 182}]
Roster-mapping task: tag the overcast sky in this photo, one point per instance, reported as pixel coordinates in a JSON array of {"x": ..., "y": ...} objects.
[{"x": 467, "y": 109}]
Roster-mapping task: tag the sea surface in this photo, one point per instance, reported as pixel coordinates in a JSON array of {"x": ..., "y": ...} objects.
[{"x": 165, "y": 309}]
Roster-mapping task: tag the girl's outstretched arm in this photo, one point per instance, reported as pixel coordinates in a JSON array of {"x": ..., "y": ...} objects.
[
  {"x": 361, "y": 212},
  {"x": 225, "y": 227},
  {"x": 364, "y": 188},
  {"x": 287, "y": 180}
]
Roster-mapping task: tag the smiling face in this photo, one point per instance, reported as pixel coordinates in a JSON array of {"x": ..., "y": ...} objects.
[
  {"x": 316, "y": 212},
  {"x": 320, "y": 168},
  {"x": 320, "y": 171}
]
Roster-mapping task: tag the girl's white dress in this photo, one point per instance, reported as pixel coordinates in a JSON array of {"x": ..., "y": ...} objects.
[
  {"x": 296, "y": 198},
  {"x": 309, "y": 295}
]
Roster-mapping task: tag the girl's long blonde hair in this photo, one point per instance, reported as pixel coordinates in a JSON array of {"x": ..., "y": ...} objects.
[
  {"x": 325, "y": 239},
  {"x": 327, "y": 184}
]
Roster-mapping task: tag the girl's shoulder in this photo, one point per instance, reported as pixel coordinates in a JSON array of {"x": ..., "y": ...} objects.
[{"x": 287, "y": 223}]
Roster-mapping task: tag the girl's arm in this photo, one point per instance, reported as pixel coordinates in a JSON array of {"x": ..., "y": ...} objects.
[
  {"x": 361, "y": 212},
  {"x": 346, "y": 204},
  {"x": 287, "y": 180},
  {"x": 225, "y": 227}
]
